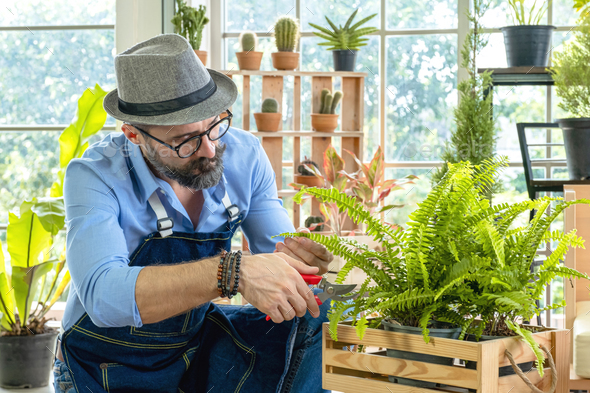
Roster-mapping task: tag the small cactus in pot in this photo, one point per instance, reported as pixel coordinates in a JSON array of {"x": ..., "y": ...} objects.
[
  {"x": 326, "y": 120},
  {"x": 309, "y": 174},
  {"x": 249, "y": 58},
  {"x": 315, "y": 223},
  {"x": 269, "y": 118},
  {"x": 286, "y": 34}
]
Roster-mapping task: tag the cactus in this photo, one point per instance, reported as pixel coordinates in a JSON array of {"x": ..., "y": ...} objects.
[
  {"x": 324, "y": 93},
  {"x": 270, "y": 105},
  {"x": 311, "y": 220},
  {"x": 335, "y": 101},
  {"x": 305, "y": 172},
  {"x": 249, "y": 41},
  {"x": 327, "y": 104},
  {"x": 189, "y": 23},
  {"x": 286, "y": 33}
]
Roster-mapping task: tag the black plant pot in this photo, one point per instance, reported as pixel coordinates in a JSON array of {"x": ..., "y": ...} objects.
[
  {"x": 420, "y": 357},
  {"x": 344, "y": 59},
  {"x": 576, "y": 138},
  {"x": 527, "y": 45},
  {"x": 26, "y": 361}
]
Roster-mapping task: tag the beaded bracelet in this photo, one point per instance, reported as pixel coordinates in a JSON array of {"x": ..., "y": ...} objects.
[
  {"x": 234, "y": 291},
  {"x": 232, "y": 258},
  {"x": 220, "y": 273}
]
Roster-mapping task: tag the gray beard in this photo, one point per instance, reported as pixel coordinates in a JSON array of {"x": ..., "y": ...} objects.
[{"x": 210, "y": 169}]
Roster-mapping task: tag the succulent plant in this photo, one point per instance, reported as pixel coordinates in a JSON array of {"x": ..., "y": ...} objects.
[
  {"x": 304, "y": 171},
  {"x": 311, "y": 220},
  {"x": 347, "y": 37},
  {"x": 286, "y": 33},
  {"x": 248, "y": 41},
  {"x": 270, "y": 105},
  {"x": 330, "y": 102}
]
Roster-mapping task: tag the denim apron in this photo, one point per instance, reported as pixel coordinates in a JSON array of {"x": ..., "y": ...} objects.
[{"x": 202, "y": 350}]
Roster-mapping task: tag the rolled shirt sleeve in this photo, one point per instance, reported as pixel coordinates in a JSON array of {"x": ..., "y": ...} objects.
[
  {"x": 96, "y": 251},
  {"x": 267, "y": 216}
]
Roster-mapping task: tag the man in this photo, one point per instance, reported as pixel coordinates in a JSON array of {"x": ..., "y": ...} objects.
[{"x": 149, "y": 212}]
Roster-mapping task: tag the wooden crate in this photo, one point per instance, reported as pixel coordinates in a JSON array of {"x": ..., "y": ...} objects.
[{"x": 349, "y": 372}]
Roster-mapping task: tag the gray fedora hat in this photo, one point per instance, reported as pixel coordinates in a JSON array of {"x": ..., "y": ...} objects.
[{"x": 161, "y": 81}]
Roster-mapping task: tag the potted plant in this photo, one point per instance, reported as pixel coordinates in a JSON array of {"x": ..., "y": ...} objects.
[
  {"x": 308, "y": 175},
  {"x": 249, "y": 58},
  {"x": 286, "y": 35},
  {"x": 459, "y": 258},
  {"x": 314, "y": 223},
  {"x": 344, "y": 42},
  {"x": 269, "y": 119},
  {"x": 327, "y": 119},
  {"x": 571, "y": 74},
  {"x": 527, "y": 43},
  {"x": 189, "y": 23},
  {"x": 38, "y": 271}
]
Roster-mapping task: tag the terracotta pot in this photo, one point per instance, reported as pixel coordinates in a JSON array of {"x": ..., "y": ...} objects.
[
  {"x": 324, "y": 122},
  {"x": 310, "y": 181},
  {"x": 202, "y": 54},
  {"x": 249, "y": 60},
  {"x": 285, "y": 60},
  {"x": 267, "y": 121}
]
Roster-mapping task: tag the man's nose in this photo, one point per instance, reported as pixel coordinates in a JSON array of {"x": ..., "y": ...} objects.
[{"x": 207, "y": 148}]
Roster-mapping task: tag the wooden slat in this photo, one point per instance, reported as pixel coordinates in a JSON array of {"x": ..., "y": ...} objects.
[
  {"x": 448, "y": 375},
  {"x": 307, "y": 133},
  {"x": 318, "y": 144},
  {"x": 560, "y": 349},
  {"x": 296, "y": 162},
  {"x": 514, "y": 384},
  {"x": 297, "y": 103},
  {"x": 352, "y": 119},
  {"x": 487, "y": 368},
  {"x": 246, "y": 103},
  {"x": 519, "y": 350},
  {"x": 350, "y": 384},
  {"x": 380, "y": 338},
  {"x": 296, "y": 73},
  {"x": 272, "y": 87}
]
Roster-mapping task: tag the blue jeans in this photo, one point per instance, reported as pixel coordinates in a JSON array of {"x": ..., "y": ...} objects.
[{"x": 304, "y": 373}]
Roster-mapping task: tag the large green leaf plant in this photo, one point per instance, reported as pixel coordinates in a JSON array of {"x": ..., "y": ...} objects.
[
  {"x": 35, "y": 274},
  {"x": 459, "y": 261}
]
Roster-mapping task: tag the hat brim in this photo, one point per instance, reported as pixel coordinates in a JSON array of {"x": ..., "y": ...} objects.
[{"x": 222, "y": 99}]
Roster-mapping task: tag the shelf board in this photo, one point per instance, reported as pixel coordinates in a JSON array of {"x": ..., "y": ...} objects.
[
  {"x": 287, "y": 133},
  {"x": 511, "y": 76},
  {"x": 295, "y": 73},
  {"x": 286, "y": 193}
]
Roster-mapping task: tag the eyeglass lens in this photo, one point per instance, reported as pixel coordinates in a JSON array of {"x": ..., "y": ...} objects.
[{"x": 188, "y": 148}]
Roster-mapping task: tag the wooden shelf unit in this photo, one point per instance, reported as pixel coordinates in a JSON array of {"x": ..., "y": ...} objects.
[{"x": 351, "y": 120}]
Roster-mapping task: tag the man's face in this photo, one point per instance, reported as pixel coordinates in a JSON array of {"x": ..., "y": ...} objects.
[{"x": 201, "y": 170}]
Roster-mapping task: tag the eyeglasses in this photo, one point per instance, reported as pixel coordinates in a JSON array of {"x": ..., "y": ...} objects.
[{"x": 189, "y": 147}]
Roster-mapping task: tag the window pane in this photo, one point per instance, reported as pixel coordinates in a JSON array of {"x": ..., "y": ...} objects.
[
  {"x": 254, "y": 15},
  {"x": 57, "y": 12},
  {"x": 421, "y": 14},
  {"x": 44, "y": 73},
  {"x": 29, "y": 162},
  {"x": 410, "y": 196},
  {"x": 338, "y": 11},
  {"x": 420, "y": 95},
  {"x": 564, "y": 13},
  {"x": 499, "y": 14}
]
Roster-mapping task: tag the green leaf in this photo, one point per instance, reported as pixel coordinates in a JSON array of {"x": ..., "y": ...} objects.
[
  {"x": 26, "y": 236},
  {"x": 6, "y": 295},
  {"x": 26, "y": 284}
]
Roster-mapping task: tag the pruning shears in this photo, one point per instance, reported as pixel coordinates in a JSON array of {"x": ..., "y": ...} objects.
[{"x": 331, "y": 291}]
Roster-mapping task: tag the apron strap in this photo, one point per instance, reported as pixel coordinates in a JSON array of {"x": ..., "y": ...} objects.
[
  {"x": 164, "y": 222},
  {"x": 233, "y": 211}
]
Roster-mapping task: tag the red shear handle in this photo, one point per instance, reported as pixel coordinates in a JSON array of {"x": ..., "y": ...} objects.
[
  {"x": 312, "y": 279},
  {"x": 317, "y": 299}
]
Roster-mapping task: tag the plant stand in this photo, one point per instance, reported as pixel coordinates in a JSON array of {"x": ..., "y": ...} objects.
[{"x": 348, "y": 372}]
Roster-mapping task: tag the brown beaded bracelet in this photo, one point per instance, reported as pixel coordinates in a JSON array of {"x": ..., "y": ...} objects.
[{"x": 221, "y": 273}]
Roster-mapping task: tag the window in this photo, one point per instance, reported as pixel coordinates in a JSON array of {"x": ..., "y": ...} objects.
[
  {"x": 411, "y": 87},
  {"x": 52, "y": 51}
]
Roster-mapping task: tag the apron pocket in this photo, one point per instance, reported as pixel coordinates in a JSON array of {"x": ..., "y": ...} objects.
[{"x": 171, "y": 327}]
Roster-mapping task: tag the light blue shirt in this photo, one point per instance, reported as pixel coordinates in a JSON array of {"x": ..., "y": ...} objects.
[{"x": 107, "y": 215}]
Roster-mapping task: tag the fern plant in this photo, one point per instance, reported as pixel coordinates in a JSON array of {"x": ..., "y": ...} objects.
[{"x": 459, "y": 258}]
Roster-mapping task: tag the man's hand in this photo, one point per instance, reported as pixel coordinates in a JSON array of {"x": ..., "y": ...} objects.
[
  {"x": 273, "y": 284},
  {"x": 306, "y": 250}
]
